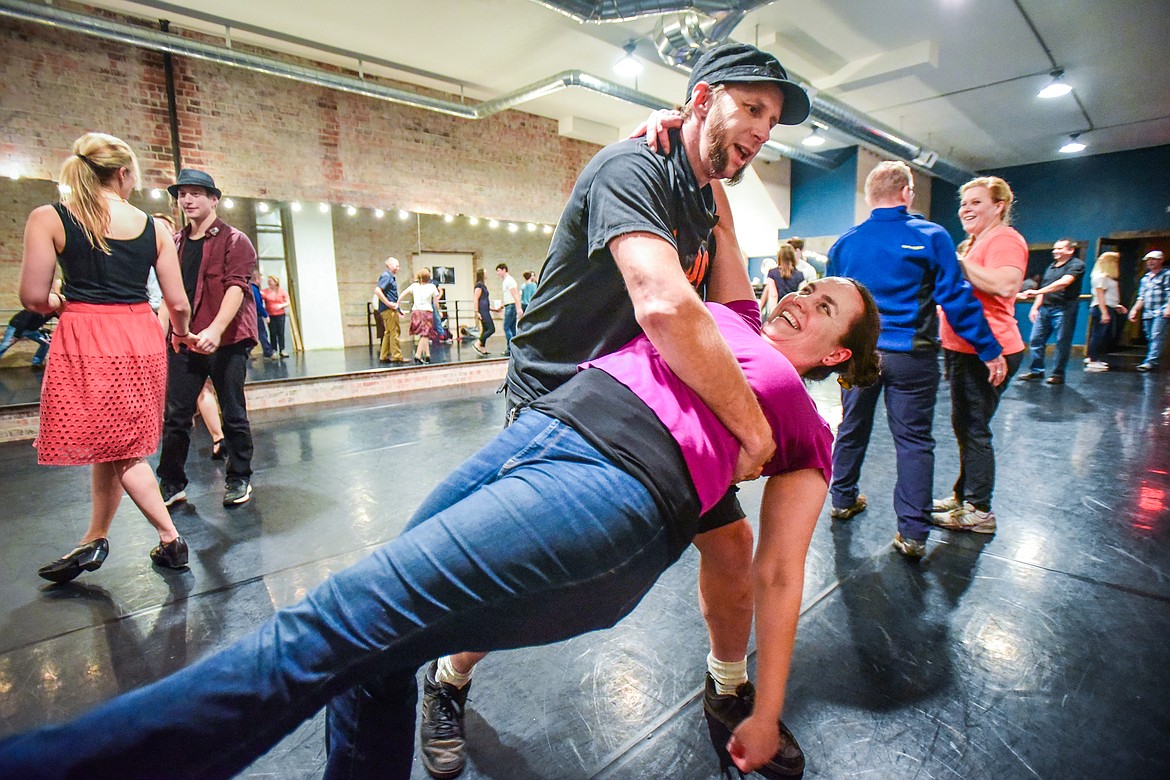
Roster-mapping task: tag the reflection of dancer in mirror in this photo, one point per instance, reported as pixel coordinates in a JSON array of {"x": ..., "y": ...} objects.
[
  {"x": 550, "y": 516},
  {"x": 276, "y": 304},
  {"x": 483, "y": 313},
  {"x": 422, "y": 325},
  {"x": 263, "y": 323},
  {"x": 108, "y": 348}
]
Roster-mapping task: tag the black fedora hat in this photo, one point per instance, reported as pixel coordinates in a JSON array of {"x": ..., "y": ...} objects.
[
  {"x": 739, "y": 62},
  {"x": 193, "y": 178}
]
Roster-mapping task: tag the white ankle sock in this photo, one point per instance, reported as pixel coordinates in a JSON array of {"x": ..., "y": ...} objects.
[
  {"x": 728, "y": 675},
  {"x": 445, "y": 673}
]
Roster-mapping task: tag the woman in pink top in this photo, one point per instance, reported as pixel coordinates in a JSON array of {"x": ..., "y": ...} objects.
[
  {"x": 994, "y": 258},
  {"x": 276, "y": 303}
]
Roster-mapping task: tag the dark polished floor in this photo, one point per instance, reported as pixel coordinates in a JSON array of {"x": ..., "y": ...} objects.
[
  {"x": 20, "y": 384},
  {"x": 1041, "y": 652}
]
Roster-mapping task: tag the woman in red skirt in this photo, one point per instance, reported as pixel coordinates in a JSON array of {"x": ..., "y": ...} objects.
[
  {"x": 102, "y": 395},
  {"x": 422, "y": 319}
]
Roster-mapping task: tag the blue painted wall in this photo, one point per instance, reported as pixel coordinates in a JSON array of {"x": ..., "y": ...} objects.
[
  {"x": 1085, "y": 198},
  {"x": 822, "y": 201}
]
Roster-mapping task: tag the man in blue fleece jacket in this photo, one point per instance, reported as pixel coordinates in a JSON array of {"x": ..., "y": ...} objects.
[{"x": 910, "y": 265}]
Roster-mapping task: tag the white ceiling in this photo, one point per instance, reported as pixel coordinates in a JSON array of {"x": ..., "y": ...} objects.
[{"x": 958, "y": 77}]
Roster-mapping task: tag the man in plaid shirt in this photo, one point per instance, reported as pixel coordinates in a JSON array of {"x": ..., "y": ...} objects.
[{"x": 1153, "y": 305}]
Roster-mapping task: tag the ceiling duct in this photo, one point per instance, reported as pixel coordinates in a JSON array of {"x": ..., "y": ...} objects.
[
  {"x": 171, "y": 43},
  {"x": 689, "y": 29},
  {"x": 626, "y": 10}
]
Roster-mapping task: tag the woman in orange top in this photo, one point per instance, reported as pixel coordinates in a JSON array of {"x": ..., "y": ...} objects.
[
  {"x": 276, "y": 303},
  {"x": 994, "y": 259}
]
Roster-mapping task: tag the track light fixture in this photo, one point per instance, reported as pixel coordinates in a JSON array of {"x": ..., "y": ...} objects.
[
  {"x": 1073, "y": 145},
  {"x": 628, "y": 65},
  {"x": 1056, "y": 87},
  {"x": 814, "y": 138}
]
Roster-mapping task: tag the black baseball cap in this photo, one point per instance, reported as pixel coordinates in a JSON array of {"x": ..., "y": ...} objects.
[
  {"x": 189, "y": 177},
  {"x": 741, "y": 63}
]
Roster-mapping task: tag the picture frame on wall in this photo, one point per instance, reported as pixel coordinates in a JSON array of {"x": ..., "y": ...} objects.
[{"x": 443, "y": 274}]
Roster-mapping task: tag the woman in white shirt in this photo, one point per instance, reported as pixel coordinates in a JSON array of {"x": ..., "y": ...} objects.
[
  {"x": 422, "y": 325},
  {"x": 1107, "y": 315}
]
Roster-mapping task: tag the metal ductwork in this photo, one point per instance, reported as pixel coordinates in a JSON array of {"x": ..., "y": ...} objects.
[
  {"x": 696, "y": 27},
  {"x": 836, "y": 115},
  {"x": 176, "y": 45},
  {"x": 626, "y": 10}
]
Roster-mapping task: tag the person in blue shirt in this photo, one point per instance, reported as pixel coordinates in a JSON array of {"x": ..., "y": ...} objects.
[
  {"x": 910, "y": 265},
  {"x": 261, "y": 315}
]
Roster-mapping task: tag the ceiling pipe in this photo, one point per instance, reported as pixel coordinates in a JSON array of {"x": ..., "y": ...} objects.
[
  {"x": 173, "y": 44},
  {"x": 626, "y": 10},
  {"x": 682, "y": 39}
]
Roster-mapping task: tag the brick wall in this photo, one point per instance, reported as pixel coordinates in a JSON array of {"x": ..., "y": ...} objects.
[{"x": 271, "y": 138}]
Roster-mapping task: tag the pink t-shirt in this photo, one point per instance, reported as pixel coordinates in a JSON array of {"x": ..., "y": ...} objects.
[
  {"x": 803, "y": 439},
  {"x": 1001, "y": 246},
  {"x": 273, "y": 300}
]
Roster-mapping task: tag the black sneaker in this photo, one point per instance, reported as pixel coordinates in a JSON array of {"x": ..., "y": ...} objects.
[
  {"x": 172, "y": 494},
  {"x": 731, "y": 710},
  {"x": 239, "y": 491},
  {"x": 440, "y": 735},
  {"x": 1030, "y": 375}
]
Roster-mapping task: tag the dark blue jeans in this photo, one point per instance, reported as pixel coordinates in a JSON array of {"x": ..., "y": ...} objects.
[
  {"x": 973, "y": 404},
  {"x": 510, "y": 319},
  {"x": 1103, "y": 336},
  {"x": 535, "y": 539},
  {"x": 186, "y": 372},
  {"x": 910, "y": 381},
  {"x": 11, "y": 337},
  {"x": 262, "y": 333},
  {"x": 1058, "y": 320}
]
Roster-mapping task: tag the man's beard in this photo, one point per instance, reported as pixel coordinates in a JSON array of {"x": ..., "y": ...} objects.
[{"x": 720, "y": 149}]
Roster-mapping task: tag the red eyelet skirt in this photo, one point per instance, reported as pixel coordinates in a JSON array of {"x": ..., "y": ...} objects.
[{"x": 104, "y": 387}]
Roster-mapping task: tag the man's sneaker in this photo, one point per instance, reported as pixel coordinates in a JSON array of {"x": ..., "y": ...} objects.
[
  {"x": 239, "y": 491},
  {"x": 441, "y": 733},
  {"x": 1096, "y": 367},
  {"x": 1144, "y": 367},
  {"x": 846, "y": 512},
  {"x": 965, "y": 518},
  {"x": 911, "y": 548},
  {"x": 1028, "y": 376},
  {"x": 172, "y": 494},
  {"x": 729, "y": 710},
  {"x": 947, "y": 504}
]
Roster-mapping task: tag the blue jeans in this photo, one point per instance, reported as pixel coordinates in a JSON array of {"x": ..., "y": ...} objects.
[
  {"x": 1155, "y": 330},
  {"x": 535, "y": 539},
  {"x": 910, "y": 381},
  {"x": 11, "y": 337},
  {"x": 509, "y": 325},
  {"x": 1059, "y": 320},
  {"x": 262, "y": 335}
]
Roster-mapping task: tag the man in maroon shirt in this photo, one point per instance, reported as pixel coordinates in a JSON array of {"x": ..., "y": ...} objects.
[{"x": 217, "y": 262}]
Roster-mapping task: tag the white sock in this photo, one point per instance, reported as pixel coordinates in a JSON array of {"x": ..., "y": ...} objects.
[
  {"x": 445, "y": 673},
  {"x": 728, "y": 675}
]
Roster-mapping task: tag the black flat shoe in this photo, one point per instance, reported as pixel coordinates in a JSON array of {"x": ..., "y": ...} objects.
[
  {"x": 217, "y": 450},
  {"x": 172, "y": 555},
  {"x": 85, "y": 557}
]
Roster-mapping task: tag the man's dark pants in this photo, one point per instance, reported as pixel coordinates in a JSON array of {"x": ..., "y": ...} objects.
[
  {"x": 186, "y": 372},
  {"x": 910, "y": 381}
]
